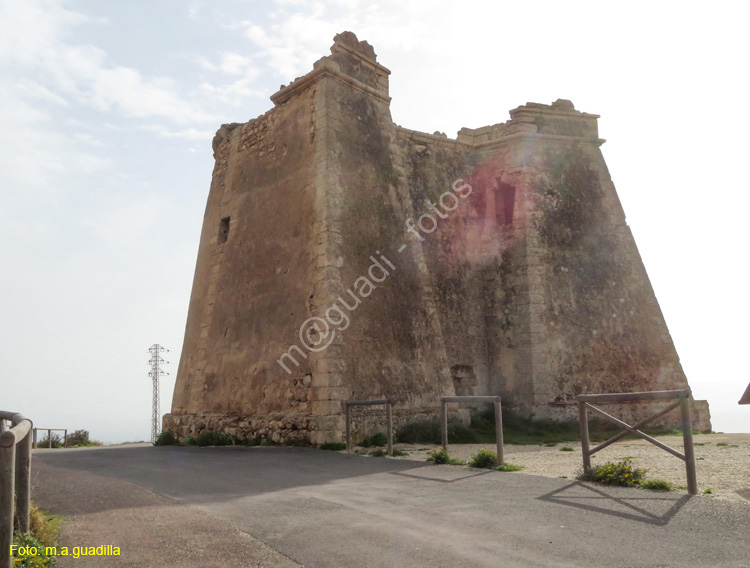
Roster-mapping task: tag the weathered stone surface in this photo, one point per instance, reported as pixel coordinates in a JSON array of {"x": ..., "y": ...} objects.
[{"x": 496, "y": 263}]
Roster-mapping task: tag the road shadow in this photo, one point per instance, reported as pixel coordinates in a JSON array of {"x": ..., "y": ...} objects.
[
  {"x": 424, "y": 475},
  {"x": 215, "y": 474},
  {"x": 589, "y": 498}
]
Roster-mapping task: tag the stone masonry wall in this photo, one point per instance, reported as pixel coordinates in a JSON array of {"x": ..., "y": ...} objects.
[{"x": 496, "y": 263}]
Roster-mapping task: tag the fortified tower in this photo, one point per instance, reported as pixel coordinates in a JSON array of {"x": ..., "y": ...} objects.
[{"x": 344, "y": 257}]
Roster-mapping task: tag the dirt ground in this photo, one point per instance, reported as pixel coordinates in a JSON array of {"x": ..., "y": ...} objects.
[{"x": 722, "y": 461}]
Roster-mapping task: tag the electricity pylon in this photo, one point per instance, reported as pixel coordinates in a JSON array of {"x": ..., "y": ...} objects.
[{"x": 156, "y": 361}]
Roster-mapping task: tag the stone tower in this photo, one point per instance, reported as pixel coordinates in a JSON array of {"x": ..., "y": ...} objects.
[{"x": 345, "y": 257}]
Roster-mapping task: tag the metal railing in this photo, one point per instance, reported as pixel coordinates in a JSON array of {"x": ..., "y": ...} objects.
[
  {"x": 49, "y": 436},
  {"x": 472, "y": 399},
  {"x": 682, "y": 400},
  {"x": 389, "y": 419},
  {"x": 15, "y": 480}
]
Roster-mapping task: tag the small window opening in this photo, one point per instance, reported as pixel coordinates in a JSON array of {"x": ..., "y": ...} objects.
[
  {"x": 505, "y": 200},
  {"x": 223, "y": 230}
]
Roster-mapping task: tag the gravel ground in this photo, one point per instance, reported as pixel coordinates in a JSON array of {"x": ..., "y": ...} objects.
[{"x": 722, "y": 461}]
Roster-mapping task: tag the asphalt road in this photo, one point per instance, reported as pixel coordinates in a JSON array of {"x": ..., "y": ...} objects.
[{"x": 325, "y": 509}]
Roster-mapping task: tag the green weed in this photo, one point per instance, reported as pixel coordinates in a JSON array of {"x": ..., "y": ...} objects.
[
  {"x": 621, "y": 473},
  {"x": 484, "y": 459},
  {"x": 510, "y": 467},
  {"x": 656, "y": 485},
  {"x": 441, "y": 457}
]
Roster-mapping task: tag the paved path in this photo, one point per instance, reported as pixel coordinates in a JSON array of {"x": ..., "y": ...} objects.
[{"x": 324, "y": 509}]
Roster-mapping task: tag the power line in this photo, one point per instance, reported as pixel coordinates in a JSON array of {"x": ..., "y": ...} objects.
[{"x": 156, "y": 362}]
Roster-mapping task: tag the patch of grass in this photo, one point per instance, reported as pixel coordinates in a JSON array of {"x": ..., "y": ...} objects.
[
  {"x": 380, "y": 452},
  {"x": 166, "y": 438},
  {"x": 680, "y": 486},
  {"x": 484, "y": 459},
  {"x": 44, "y": 526},
  {"x": 656, "y": 485},
  {"x": 721, "y": 444},
  {"x": 377, "y": 440},
  {"x": 509, "y": 467},
  {"x": 549, "y": 444},
  {"x": 428, "y": 432},
  {"x": 210, "y": 438},
  {"x": 517, "y": 429},
  {"x": 708, "y": 491},
  {"x": 566, "y": 449},
  {"x": 441, "y": 457},
  {"x": 80, "y": 439},
  {"x": 333, "y": 446},
  {"x": 43, "y": 531},
  {"x": 621, "y": 473},
  {"x": 296, "y": 442},
  {"x": 39, "y": 560},
  {"x": 190, "y": 441}
]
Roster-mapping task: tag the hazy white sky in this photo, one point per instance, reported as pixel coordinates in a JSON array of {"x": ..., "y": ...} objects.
[{"x": 107, "y": 111}]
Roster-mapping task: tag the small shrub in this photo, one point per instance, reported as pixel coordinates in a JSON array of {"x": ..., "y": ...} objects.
[
  {"x": 398, "y": 453},
  {"x": 190, "y": 441},
  {"x": 566, "y": 449},
  {"x": 510, "y": 467},
  {"x": 438, "y": 456},
  {"x": 377, "y": 440},
  {"x": 550, "y": 444},
  {"x": 379, "y": 453},
  {"x": 656, "y": 485},
  {"x": 708, "y": 491},
  {"x": 621, "y": 473},
  {"x": 210, "y": 438},
  {"x": 250, "y": 442},
  {"x": 721, "y": 444},
  {"x": 45, "y": 442},
  {"x": 441, "y": 457},
  {"x": 484, "y": 459},
  {"x": 166, "y": 438},
  {"x": 80, "y": 439},
  {"x": 333, "y": 446}
]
